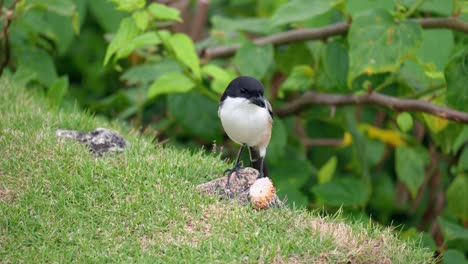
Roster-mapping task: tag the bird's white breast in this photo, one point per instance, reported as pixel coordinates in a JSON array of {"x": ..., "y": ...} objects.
[{"x": 246, "y": 123}]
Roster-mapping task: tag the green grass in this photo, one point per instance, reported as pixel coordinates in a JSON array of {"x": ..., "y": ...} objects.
[{"x": 60, "y": 204}]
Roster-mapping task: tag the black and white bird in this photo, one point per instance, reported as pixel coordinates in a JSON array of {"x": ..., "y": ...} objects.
[{"x": 247, "y": 118}]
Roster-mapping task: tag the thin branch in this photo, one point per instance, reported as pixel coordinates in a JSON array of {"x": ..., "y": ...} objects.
[
  {"x": 309, "y": 142},
  {"x": 295, "y": 35},
  {"x": 373, "y": 98},
  {"x": 200, "y": 19},
  {"x": 298, "y": 35},
  {"x": 8, "y": 18}
]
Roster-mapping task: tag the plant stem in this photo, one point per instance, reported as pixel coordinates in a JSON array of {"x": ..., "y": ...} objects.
[
  {"x": 424, "y": 92},
  {"x": 389, "y": 80},
  {"x": 413, "y": 8}
]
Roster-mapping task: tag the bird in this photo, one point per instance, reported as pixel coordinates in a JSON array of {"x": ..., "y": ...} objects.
[{"x": 247, "y": 118}]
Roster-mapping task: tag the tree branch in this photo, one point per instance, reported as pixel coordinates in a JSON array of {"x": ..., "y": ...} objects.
[
  {"x": 297, "y": 35},
  {"x": 373, "y": 98}
]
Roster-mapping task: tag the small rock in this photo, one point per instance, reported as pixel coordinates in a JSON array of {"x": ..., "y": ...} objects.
[
  {"x": 239, "y": 187},
  {"x": 99, "y": 141}
]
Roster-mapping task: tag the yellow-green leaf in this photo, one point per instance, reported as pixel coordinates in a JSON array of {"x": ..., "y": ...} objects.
[
  {"x": 129, "y": 5},
  {"x": 164, "y": 12},
  {"x": 145, "y": 39},
  {"x": 325, "y": 173},
  {"x": 405, "y": 121},
  {"x": 221, "y": 77},
  {"x": 185, "y": 52},
  {"x": 126, "y": 33},
  {"x": 141, "y": 19},
  {"x": 434, "y": 123}
]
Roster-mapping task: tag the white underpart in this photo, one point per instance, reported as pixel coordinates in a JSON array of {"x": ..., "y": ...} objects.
[{"x": 246, "y": 123}]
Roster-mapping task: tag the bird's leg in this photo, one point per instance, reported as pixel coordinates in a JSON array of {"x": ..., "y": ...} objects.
[
  {"x": 261, "y": 174},
  {"x": 236, "y": 166}
]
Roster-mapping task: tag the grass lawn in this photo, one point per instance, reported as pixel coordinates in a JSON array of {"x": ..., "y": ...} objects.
[{"x": 60, "y": 204}]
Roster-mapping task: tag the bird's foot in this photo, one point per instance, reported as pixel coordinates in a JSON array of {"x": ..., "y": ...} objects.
[{"x": 229, "y": 172}]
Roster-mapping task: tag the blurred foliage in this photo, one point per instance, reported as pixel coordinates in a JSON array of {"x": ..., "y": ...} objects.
[{"x": 122, "y": 58}]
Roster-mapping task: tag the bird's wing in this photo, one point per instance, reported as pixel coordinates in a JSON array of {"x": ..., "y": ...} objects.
[{"x": 270, "y": 110}]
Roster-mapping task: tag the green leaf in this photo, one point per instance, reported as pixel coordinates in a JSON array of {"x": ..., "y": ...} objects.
[
  {"x": 355, "y": 7},
  {"x": 452, "y": 231},
  {"x": 457, "y": 194},
  {"x": 57, "y": 91},
  {"x": 185, "y": 52},
  {"x": 171, "y": 82},
  {"x": 447, "y": 138},
  {"x": 126, "y": 33},
  {"x": 106, "y": 15},
  {"x": 342, "y": 192},
  {"x": 129, "y": 5},
  {"x": 461, "y": 138},
  {"x": 22, "y": 76},
  {"x": 221, "y": 77},
  {"x": 141, "y": 19},
  {"x": 164, "y": 12},
  {"x": 298, "y": 10},
  {"x": 437, "y": 6},
  {"x": 51, "y": 19},
  {"x": 59, "y": 7},
  {"x": 38, "y": 61},
  {"x": 463, "y": 160},
  {"x": 295, "y": 54},
  {"x": 334, "y": 61},
  {"x": 197, "y": 114},
  {"x": 415, "y": 72},
  {"x": 279, "y": 140},
  {"x": 325, "y": 173},
  {"x": 456, "y": 75},
  {"x": 289, "y": 176},
  {"x": 410, "y": 163},
  {"x": 374, "y": 151},
  {"x": 253, "y": 60},
  {"x": 405, "y": 121},
  {"x": 452, "y": 256},
  {"x": 383, "y": 196},
  {"x": 300, "y": 79},
  {"x": 146, "y": 73},
  {"x": 360, "y": 149},
  {"x": 378, "y": 43}
]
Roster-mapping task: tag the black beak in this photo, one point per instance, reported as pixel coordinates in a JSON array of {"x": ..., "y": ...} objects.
[{"x": 258, "y": 100}]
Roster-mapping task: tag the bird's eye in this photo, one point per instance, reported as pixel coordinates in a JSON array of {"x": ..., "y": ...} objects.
[{"x": 243, "y": 90}]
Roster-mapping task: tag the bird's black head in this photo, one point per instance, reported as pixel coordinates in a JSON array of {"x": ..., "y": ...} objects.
[{"x": 245, "y": 87}]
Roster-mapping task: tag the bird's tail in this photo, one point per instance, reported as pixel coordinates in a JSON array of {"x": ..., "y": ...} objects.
[{"x": 256, "y": 161}]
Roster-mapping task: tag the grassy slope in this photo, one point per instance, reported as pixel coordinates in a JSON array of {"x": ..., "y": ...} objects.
[{"x": 60, "y": 204}]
